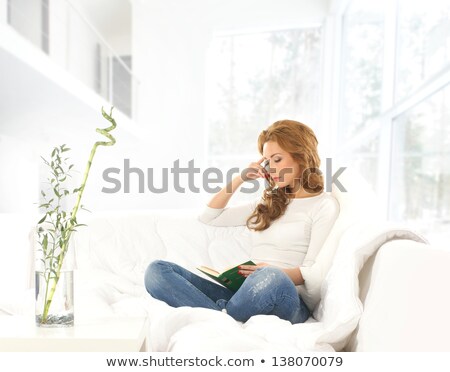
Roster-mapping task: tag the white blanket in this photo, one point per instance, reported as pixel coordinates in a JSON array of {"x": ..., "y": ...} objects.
[
  {"x": 335, "y": 318},
  {"x": 185, "y": 329}
]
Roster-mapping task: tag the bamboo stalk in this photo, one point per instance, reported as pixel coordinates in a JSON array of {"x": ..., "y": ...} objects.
[{"x": 72, "y": 221}]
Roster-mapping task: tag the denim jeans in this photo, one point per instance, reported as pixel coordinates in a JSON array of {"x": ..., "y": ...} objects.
[{"x": 266, "y": 291}]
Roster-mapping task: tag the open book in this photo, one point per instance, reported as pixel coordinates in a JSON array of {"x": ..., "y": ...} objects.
[{"x": 229, "y": 277}]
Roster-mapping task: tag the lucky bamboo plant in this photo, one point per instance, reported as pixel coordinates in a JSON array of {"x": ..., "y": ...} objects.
[{"x": 55, "y": 228}]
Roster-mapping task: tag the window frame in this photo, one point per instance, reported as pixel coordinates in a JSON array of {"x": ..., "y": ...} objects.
[{"x": 391, "y": 109}]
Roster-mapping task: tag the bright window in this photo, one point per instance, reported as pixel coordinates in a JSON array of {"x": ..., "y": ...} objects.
[
  {"x": 362, "y": 67},
  {"x": 420, "y": 174},
  {"x": 395, "y": 107},
  {"x": 423, "y": 43},
  {"x": 256, "y": 79}
]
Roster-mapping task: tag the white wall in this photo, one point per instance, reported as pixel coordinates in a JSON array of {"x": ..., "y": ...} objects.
[
  {"x": 59, "y": 32},
  {"x": 19, "y": 175},
  {"x": 121, "y": 42},
  {"x": 82, "y": 47},
  {"x": 170, "y": 41},
  {"x": 73, "y": 42},
  {"x": 92, "y": 27},
  {"x": 26, "y": 19},
  {"x": 111, "y": 18},
  {"x": 3, "y": 10}
]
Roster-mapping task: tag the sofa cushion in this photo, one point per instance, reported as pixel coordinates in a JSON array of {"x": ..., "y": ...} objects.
[{"x": 124, "y": 243}]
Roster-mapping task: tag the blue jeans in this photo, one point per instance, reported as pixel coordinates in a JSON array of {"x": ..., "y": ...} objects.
[{"x": 266, "y": 291}]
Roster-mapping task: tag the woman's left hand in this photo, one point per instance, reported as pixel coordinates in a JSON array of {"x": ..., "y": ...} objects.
[{"x": 246, "y": 270}]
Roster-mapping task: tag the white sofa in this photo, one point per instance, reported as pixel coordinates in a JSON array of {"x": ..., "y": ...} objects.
[{"x": 384, "y": 286}]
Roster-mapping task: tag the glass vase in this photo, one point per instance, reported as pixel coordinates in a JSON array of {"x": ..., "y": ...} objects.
[
  {"x": 54, "y": 307},
  {"x": 54, "y": 289}
]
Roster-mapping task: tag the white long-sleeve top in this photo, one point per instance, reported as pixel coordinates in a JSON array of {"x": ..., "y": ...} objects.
[{"x": 293, "y": 240}]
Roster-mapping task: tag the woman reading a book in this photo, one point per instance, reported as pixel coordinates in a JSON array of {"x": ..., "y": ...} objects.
[{"x": 289, "y": 224}]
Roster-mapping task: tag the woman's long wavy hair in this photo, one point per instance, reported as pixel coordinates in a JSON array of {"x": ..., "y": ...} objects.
[{"x": 301, "y": 143}]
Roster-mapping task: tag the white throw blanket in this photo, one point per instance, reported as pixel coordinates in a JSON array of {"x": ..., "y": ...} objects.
[
  {"x": 336, "y": 316},
  {"x": 196, "y": 329}
]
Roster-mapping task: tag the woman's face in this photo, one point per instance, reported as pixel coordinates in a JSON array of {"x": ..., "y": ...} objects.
[{"x": 283, "y": 169}]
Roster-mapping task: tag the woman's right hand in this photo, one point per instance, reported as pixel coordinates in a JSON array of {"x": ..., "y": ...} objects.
[{"x": 254, "y": 171}]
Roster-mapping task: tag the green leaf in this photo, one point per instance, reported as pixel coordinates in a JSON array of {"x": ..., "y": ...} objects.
[
  {"x": 42, "y": 219},
  {"x": 56, "y": 192}
]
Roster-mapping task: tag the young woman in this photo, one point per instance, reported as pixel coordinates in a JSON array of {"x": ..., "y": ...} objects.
[{"x": 289, "y": 224}]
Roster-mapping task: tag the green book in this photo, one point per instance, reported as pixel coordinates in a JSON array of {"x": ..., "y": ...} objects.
[{"x": 228, "y": 278}]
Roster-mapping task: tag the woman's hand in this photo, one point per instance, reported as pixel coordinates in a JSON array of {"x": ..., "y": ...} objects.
[
  {"x": 246, "y": 270},
  {"x": 293, "y": 273},
  {"x": 254, "y": 171}
]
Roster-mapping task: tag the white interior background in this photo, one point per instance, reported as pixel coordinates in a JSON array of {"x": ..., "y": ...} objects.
[{"x": 198, "y": 80}]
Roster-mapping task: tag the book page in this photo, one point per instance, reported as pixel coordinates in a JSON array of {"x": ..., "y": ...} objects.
[{"x": 208, "y": 270}]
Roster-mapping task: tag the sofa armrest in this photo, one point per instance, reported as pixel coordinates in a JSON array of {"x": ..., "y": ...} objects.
[{"x": 404, "y": 290}]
